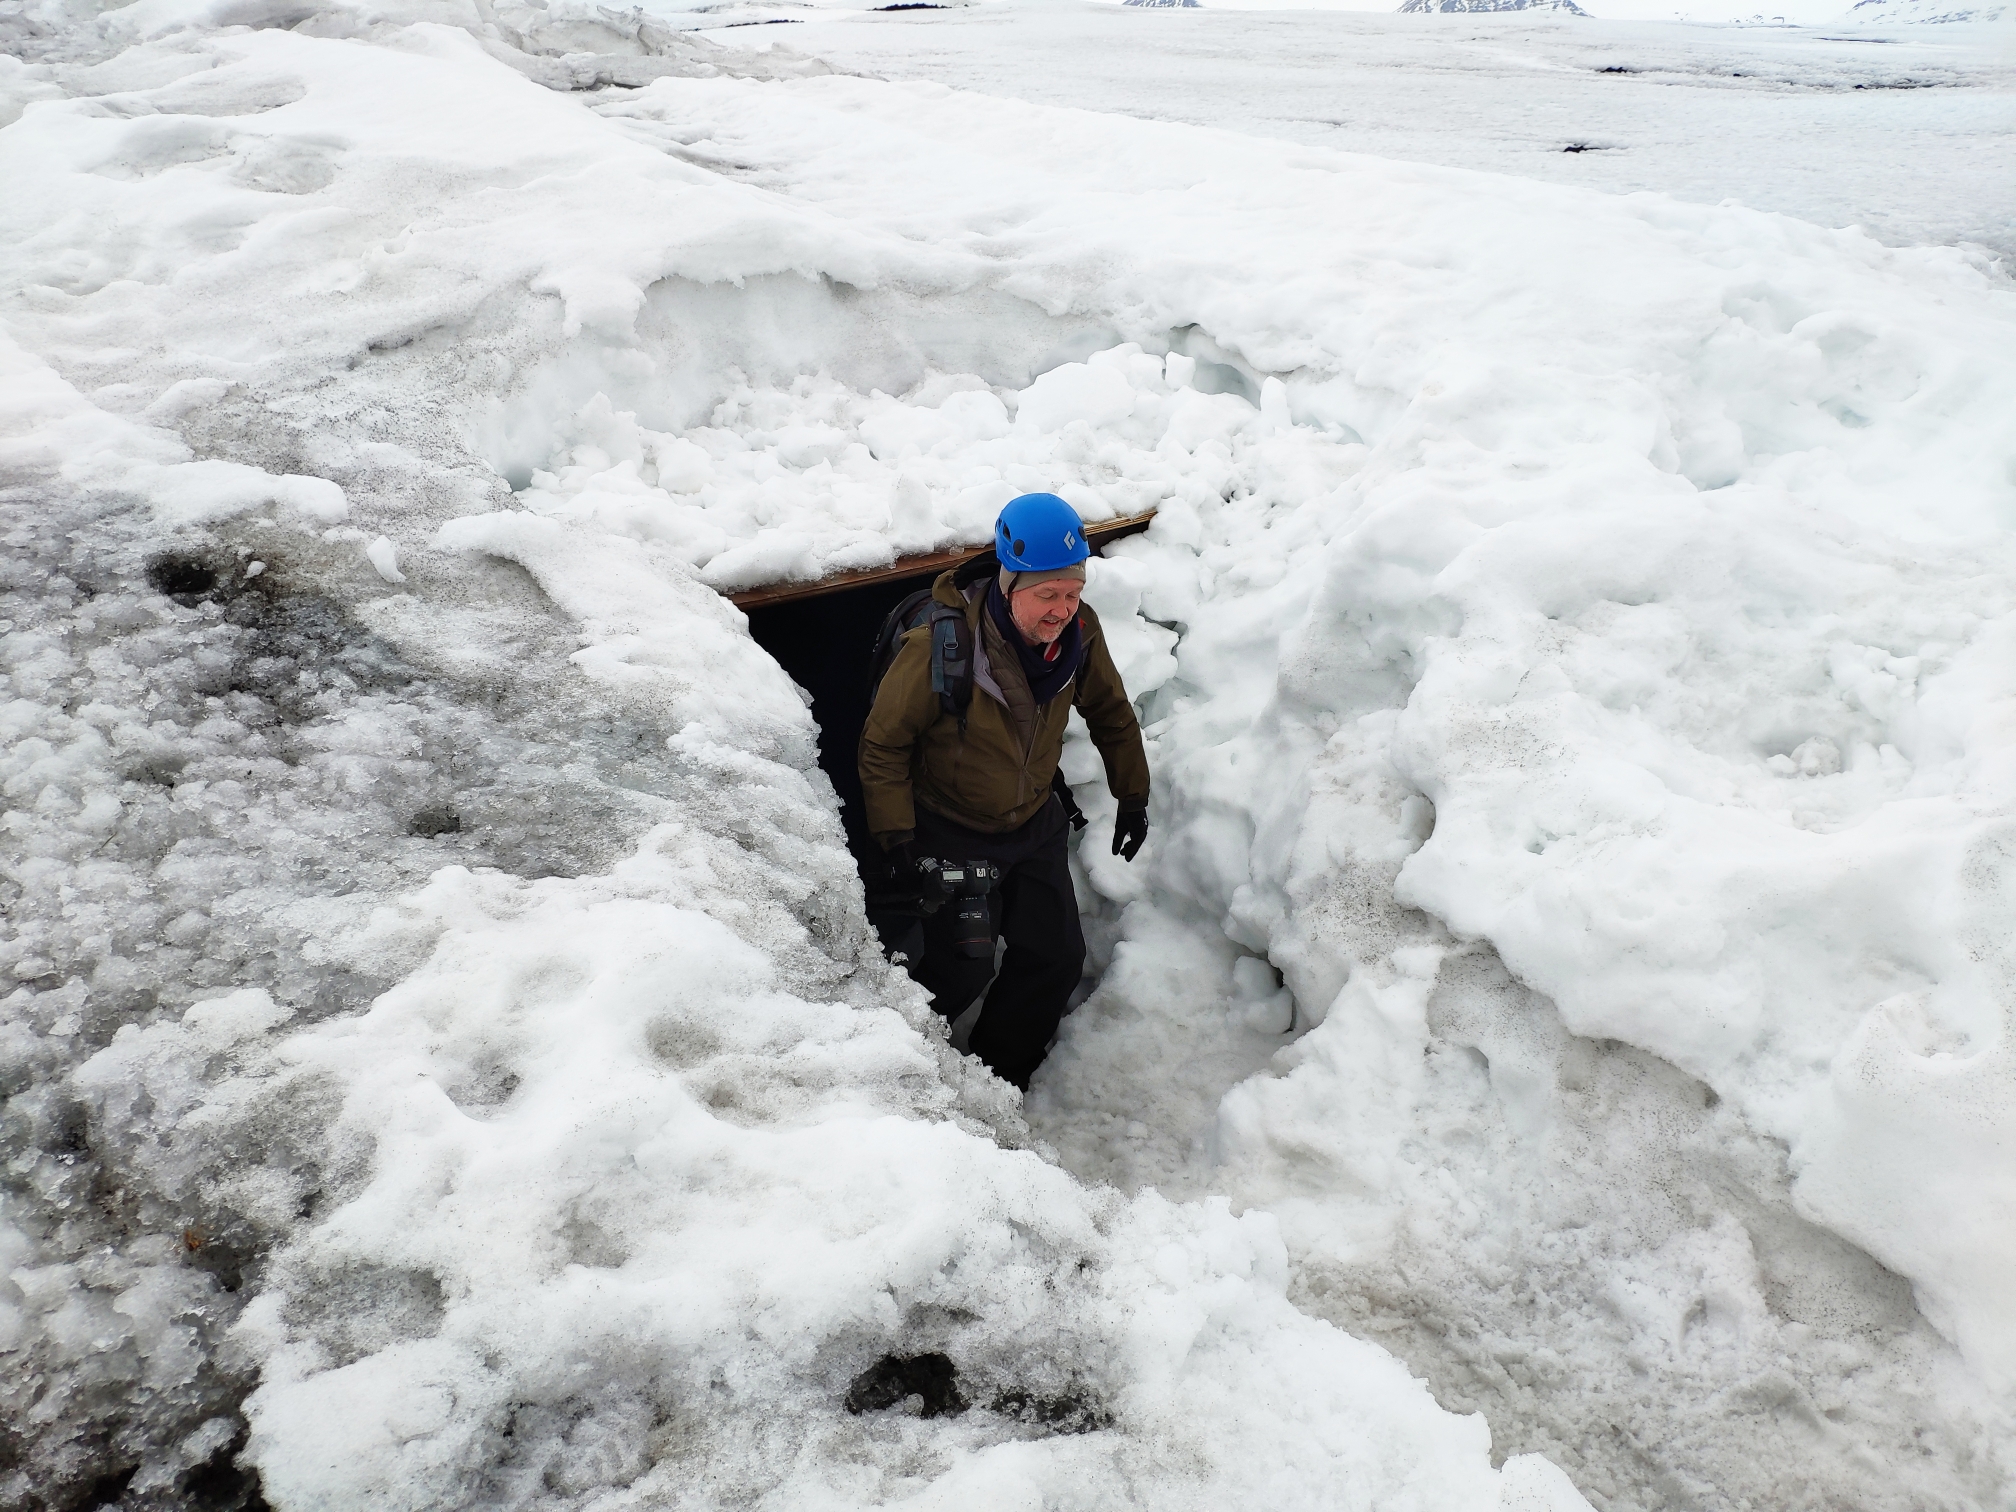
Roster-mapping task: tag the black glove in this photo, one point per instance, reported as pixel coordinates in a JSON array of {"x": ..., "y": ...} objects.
[
  {"x": 902, "y": 861},
  {"x": 1130, "y": 829},
  {"x": 896, "y": 875}
]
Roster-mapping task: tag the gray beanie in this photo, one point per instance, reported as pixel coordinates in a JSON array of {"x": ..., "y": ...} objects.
[{"x": 1011, "y": 581}]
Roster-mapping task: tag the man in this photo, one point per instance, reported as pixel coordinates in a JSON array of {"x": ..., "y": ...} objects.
[{"x": 979, "y": 788}]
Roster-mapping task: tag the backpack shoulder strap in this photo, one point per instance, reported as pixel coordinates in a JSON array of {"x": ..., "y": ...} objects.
[
  {"x": 951, "y": 660},
  {"x": 951, "y": 650}
]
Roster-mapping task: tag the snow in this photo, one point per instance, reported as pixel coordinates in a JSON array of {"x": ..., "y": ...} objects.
[
  {"x": 450, "y": 1063},
  {"x": 1904, "y": 130},
  {"x": 641, "y": 1231}
]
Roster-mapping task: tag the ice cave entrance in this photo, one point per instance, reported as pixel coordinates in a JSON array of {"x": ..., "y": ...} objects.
[{"x": 823, "y": 634}]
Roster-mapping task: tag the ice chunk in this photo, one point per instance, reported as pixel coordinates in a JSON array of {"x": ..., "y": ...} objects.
[{"x": 386, "y": 559}]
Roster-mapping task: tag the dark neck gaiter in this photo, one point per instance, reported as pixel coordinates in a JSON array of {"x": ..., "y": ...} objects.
[{"x": 1047, "y": 675}]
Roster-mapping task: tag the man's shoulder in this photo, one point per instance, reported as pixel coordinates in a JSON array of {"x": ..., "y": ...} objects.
[
  {"x": 947, "y": 590},
  {"x": 913, "y": 648}
]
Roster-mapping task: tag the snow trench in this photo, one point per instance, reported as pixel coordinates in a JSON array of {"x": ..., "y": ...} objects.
[{"x": 1559, "y": 1025}]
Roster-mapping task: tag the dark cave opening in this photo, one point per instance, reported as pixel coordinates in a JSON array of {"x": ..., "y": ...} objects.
[{"x": 826, "y": 642}]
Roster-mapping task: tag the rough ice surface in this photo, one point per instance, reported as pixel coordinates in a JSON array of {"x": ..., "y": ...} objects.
[
  {"x": 1857, "y": 121},
  {"x": 1558, "y": 1036}
]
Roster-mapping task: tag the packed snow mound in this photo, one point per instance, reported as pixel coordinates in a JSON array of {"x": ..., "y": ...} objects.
[
  {"x": 790, "y": 483},
  {"x": 445, "y": 1000}
]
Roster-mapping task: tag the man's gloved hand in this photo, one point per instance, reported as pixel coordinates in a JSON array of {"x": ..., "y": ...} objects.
[
  {"x": 900, "y": 851},
  {"x": 1130, "y": 829}
]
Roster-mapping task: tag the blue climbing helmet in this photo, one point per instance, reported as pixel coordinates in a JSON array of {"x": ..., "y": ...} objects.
[{"x": 1039, "y": 533}]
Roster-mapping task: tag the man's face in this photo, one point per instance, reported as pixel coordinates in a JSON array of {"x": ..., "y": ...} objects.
[{"x": 1042, "y": 612}]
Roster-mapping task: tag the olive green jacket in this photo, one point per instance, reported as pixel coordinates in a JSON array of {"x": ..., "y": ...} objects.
[{"x": 987, "y": 777}]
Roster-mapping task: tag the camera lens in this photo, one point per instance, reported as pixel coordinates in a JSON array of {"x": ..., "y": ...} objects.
[{"x": 973, "y": 929}]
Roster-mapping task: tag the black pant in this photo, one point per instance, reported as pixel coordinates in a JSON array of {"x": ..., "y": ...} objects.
[{"x": 1036, "y": 911}]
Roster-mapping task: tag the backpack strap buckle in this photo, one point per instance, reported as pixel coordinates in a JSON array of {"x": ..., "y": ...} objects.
[{"x": 951, "y": 660}]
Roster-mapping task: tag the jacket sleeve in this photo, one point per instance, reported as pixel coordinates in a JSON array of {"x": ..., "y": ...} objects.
[
  {"x": 1109, "y": 715},
  {"x": 904, "y": 708}
]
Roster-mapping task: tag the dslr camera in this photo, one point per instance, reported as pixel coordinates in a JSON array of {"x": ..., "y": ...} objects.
[{"x": 964, "y": 885}]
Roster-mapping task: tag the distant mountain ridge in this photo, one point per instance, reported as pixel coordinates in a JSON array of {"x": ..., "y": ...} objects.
[
  {"x": 1929, "y": 12},
  {"x": 1467, "y": 7}
]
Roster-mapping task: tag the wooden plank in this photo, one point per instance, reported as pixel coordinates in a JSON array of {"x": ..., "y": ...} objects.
[{"x": 1097, "y": 534}]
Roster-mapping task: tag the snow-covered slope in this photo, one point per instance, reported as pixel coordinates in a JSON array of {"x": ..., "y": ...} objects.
[{"x": 445, "y": 1010}]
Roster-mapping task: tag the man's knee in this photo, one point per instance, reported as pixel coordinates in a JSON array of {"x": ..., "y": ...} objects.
[
  {"x": 952, "y": 980},
  {"x": 1053, "y": 946},
  {"x": 1053, "y": 959}
]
